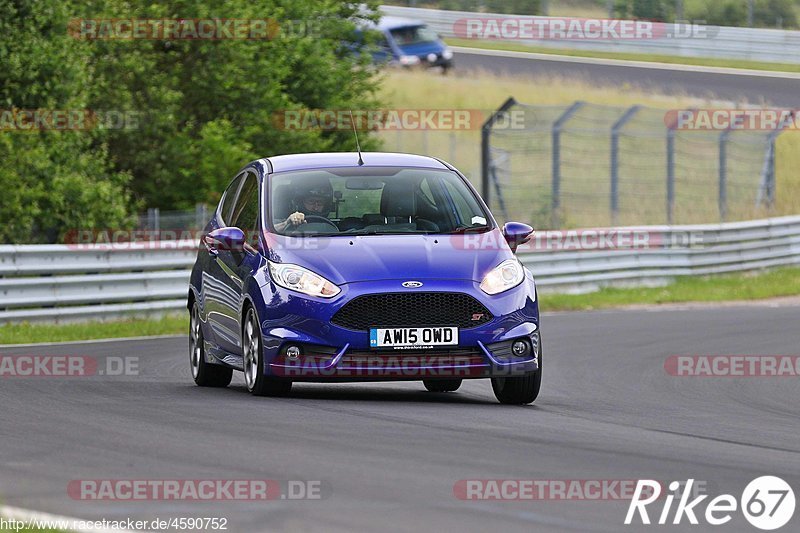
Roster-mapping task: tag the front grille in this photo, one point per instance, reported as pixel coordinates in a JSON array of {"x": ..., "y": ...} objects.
[
  {"x": 412, "y": 309},
  {"x": 433, "y": 357},
  {"x": 435, "y": 351}
]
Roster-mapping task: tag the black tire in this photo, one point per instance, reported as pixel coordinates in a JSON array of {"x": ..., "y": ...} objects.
[
  {"x": 256, "y": 382},
  {"x": 520, "y": 390},
  {"x": 205, "y": 374},
  {"x": 442, "y": 385}
]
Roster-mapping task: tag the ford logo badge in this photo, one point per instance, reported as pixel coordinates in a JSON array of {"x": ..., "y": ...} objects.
[{"x": 412, "y": 284}]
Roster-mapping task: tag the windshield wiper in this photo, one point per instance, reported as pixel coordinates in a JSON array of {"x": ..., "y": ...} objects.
[
  {"x": 385, "y": 232},
  {"x": 465, "y": 229}
]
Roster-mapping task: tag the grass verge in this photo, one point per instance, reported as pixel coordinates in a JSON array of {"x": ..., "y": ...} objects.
[
  {"x": 138, "y": 327},
  {"x": 722, "y": 288},
  {"x": 651, "y": 58}
]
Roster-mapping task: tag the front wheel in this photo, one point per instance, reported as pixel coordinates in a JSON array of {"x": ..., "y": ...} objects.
[
  {"x": 520, "y": 390},
  {"x": 205, "y": 374},
  {"x": 257, "y": 383},
  {"x": 442, "y": 385}
]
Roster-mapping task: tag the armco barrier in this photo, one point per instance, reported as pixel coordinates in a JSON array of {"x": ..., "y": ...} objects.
[
  {"x": 722, "y": 42},
  {"x": 60, "y": 283}
]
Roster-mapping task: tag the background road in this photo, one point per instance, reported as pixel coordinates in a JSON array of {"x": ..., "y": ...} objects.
[
  {"x": 389, "y": 454},
  {"x": 782, "y": 92}
]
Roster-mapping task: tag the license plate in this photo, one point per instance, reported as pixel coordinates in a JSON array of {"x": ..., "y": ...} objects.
[{"x": 400, "y": 338}]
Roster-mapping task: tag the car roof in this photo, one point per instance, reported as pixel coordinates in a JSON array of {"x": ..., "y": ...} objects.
[
  {"x": 390, "y": 23},
  {"x": 283, "y": 163}
]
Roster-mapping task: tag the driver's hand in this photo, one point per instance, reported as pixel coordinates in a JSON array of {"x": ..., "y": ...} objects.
[{"x": 296, "y": 218}]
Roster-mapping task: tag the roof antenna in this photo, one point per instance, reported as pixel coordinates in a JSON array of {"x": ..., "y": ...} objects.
[{"x": 355, "y": 132}]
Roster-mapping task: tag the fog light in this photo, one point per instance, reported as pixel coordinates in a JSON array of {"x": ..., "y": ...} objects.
[
  {"x": 520, "y": 348},
  {"x": 293, "y": 352}
]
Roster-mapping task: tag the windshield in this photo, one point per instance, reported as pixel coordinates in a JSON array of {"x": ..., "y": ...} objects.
[
  {"x": 373, "y": 201},
  {"x": 414, "y": 35}
]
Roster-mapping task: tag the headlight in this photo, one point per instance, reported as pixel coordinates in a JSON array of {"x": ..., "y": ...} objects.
[
  {"x": 301, "y": 279},
  {"x": 409, "y": 60},
  {"x": 504, "y": 276},
  {"x": 447, "y": 54}
]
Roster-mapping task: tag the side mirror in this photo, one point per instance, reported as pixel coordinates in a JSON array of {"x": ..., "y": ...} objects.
[
  {"x": 517, "y": 233},
  {"x": 228, "y": 239}
]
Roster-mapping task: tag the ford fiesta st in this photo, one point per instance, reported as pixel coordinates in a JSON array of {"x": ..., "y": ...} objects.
[{"x": 343, "y": 267}]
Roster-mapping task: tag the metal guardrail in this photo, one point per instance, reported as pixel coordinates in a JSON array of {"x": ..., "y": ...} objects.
[
  {"x": 55, "y": 282},
  {"x": 61, "y": 283},
  {"x": 755, "y": 44},
  {"x": 717, "y": 249}
]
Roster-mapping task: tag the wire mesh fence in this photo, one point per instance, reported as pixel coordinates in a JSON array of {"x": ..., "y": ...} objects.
[
  {"x": 155, "y": 220},
  {"x": 594, "y": 165},
  {"x": 585, "y": 165}
]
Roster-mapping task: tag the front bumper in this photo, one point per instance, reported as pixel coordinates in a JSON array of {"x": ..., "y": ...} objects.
[{"x": 333, "y": 353}]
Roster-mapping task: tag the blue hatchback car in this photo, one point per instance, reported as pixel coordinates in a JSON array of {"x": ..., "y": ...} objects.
[
  {"x": 411, "y": 43},
  {"x": 347, "y": 267}
]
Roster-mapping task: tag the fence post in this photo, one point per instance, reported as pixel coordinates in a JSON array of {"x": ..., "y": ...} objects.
[
  {"x": 556, "y": 134},
  {"x": 722, "y": 200},
  {"x": 486, "y": 131},
  {"x": 201, "y": 215},
  {"x": 670, "y": 175},
  {"x": 615, "y": 130},
  {"x": 153, "y": 222},
  {"x": 771, "y": 178},
  {"x": 766, "y": 190}
]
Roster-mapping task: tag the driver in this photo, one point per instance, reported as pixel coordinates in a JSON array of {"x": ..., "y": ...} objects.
[{"x": 312, "y": 200}]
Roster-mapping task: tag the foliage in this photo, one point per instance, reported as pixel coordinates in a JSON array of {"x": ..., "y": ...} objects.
[
  {"x": 52, "y": 181},
  {"x": 199, "y": 108}
]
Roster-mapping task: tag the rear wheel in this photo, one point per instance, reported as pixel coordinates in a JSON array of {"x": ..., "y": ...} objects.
[
  {"x": 205, "y": 374},
  {"x": 519, "y": 390},
  {"x": 442, "y": 385},
  {"x": 257, "y": 383}
]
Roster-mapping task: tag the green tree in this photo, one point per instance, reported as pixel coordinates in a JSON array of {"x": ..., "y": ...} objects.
[
  {"x": 203, "y": 108},
  {"x": 52, "y": 181},
  {"x": 202, "y": 97}
]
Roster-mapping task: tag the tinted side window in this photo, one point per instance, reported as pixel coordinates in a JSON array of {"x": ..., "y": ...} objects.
[
  {"x": 245, "y": 210},
  {"x": 228, "y": 199},
  {"x": 465, "y": 205}
]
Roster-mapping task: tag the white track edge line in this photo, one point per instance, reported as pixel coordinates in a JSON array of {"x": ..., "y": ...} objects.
[
  {"x": 95, "y": 341},
  {"x": 630, "y": 63}
]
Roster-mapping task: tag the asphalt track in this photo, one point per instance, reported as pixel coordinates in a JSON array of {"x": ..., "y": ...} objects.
[
  {"x": 388, "y": 455},
  {"x": 757, "y": 88}
]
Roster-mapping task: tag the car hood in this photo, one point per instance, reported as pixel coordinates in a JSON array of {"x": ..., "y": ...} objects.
[
  {"x": 422, "y": 49},
  {"x": 407, "y": 257}
]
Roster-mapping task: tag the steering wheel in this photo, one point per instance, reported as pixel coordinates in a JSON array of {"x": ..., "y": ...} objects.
[
  {"x": 322, "y": 220},
  {"x": 312, "y": 218}
]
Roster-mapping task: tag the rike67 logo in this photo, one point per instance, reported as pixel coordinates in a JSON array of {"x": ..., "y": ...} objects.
[{"x": 767, "y": 502}]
